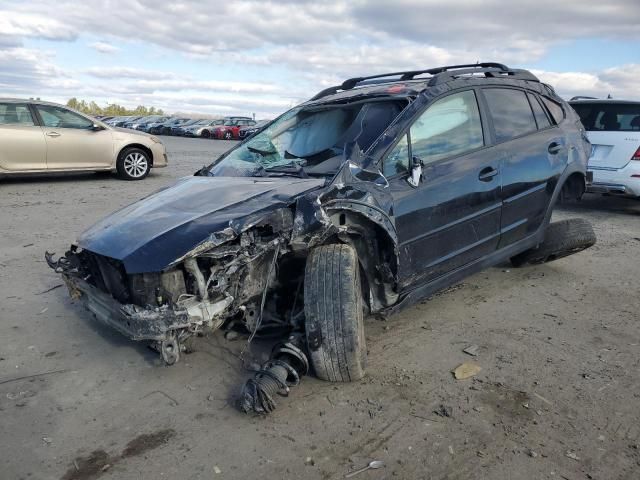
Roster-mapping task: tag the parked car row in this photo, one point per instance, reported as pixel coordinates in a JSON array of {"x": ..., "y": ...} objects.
[{"x": 227, "y": 128}]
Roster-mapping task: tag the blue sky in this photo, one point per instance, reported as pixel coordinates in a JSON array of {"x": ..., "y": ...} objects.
[{"x": 245, "y": 56}]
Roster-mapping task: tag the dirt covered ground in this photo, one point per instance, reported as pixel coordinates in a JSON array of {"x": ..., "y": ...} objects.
[{"x": 557, "y": 396}]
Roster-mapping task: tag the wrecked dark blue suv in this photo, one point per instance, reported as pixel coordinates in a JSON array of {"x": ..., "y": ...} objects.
[{"x": 368, "y": 197}]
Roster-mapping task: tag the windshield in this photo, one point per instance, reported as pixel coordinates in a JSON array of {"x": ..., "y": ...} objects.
[{"x": 309, "y": 141}]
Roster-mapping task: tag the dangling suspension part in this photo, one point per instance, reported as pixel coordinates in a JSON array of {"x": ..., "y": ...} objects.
[{"x": 283, "y": 370}]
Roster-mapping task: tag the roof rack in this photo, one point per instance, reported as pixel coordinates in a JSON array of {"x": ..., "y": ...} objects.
[{"x": 438, "y": 75}]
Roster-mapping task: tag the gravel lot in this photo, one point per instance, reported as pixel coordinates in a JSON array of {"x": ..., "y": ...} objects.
[{"x": 557, "y": 397}]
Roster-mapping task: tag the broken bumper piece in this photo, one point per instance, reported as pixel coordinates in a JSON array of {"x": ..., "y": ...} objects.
[
  {"x": 134, "y": 322},
  {"x": 168, "y": 327}
]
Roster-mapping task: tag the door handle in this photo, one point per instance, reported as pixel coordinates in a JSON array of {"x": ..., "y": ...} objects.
[
  {"x": 52, "y": 134},
  {"x": 487, "y": 174},
  {"x": 554, "y": 148}
]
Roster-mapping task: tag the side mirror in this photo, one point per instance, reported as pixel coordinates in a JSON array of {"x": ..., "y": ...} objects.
[
  {"x": 96, "y": 128},
  {"x": 416, "y": 171}
]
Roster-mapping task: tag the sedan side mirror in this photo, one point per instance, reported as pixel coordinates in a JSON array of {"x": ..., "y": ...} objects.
[
  {"x": 96, "y": 128},
  {"x": 416, "y": 171}
]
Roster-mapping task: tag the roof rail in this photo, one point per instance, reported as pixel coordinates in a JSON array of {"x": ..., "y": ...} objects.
[{"x": 439, "y": 75}]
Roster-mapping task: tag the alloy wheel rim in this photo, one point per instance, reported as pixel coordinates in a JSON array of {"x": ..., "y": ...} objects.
[{"x": 136, "y": 165}]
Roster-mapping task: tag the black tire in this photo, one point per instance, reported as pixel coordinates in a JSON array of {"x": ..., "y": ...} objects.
[
  {"x": 133, "y": 164},
  {"x": 561, "y": 239},
  {"x": 228, "y": 136},
  {"x": 206, "y": 134},
  {"x": 333, "y": 310}
]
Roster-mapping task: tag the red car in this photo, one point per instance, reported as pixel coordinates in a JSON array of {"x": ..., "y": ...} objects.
[{"x": 229, "y": 130}]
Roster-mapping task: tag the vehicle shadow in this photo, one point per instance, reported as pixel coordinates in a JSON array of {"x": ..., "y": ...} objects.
[
  {"x": 114, "y": 338},
  {"x": 603, "y": 204},
  {"x": 63, "y": 178}
]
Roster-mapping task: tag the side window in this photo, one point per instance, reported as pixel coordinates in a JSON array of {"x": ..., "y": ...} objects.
[
  {"x": 398, "y": 160},
  {"x": 15, "y": 114},
  {"x": 555, "y": 109},
  {"x": 451, "y": 126},
  {"x": 57, "y": 117},
  {"x": 510, "y": 112},
  {"x": 541, "y": 117}
]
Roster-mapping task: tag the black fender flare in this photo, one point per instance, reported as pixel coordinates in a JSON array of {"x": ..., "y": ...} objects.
[
  {"x": 349, "y": 218},
  {"x": 570, "y": 169}
]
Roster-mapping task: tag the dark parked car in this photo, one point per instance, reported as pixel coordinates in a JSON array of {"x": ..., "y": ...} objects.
[
  {"x": 180, "y": 129},
  {"x": 123, "y": 121},
  {"x": 366, "y": 198},
  {"x": 164, "y": 128}
]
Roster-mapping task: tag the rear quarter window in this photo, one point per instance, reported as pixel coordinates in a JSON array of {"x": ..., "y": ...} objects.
[
  {"x": 555, "y": 109},
  {"x": 15, "y": 114}
]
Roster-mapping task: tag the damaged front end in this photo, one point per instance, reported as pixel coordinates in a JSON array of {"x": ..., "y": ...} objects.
[{"x": 223, "y": 279}]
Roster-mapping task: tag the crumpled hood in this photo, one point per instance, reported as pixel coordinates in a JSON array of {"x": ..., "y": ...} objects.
[{"x": 151, "y": 233}]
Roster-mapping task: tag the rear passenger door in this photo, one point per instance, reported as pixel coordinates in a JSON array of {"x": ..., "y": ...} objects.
[
  {"x": 532, "y": 151},
  {"x": 22, "y": 144},
  {"x": 453, "y": 216}
]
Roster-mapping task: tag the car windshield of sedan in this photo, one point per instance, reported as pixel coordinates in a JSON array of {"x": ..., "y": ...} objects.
[{"x": 309, "y": 141}]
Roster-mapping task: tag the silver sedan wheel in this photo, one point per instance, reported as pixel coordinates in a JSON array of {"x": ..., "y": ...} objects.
[{"x": 136, "y": 165}]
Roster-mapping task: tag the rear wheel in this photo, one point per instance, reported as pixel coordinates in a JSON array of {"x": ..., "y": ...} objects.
[
  {"x": 228, "y": 135},
  {"x": 334, "y": 320},
  {"x": 561, "y": 239},
  {"x": 133, "y": 164},
  {"x": 205, "y": 134}
]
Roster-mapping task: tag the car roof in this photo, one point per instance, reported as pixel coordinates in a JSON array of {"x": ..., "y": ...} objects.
[{"x": 26, "y": 100}]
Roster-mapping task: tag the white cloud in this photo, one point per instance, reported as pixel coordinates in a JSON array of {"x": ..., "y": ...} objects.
[
  {"x": 27, "y": 70},
  {"x": 620, "y": 82},
  {"x": 127, "y": 72},
  {"x": 318, "y": 43},
  {"x": 104, "y": 47},
  {"x": 14, "y": 23}
]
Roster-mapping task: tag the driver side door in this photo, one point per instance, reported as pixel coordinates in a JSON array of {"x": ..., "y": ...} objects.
[
  {"x": 452, "y": 217},
  {"x": 72, "y": 142}
]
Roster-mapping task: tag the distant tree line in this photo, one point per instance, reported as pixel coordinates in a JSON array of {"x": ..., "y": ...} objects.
[{"x": 113, "y": 109}]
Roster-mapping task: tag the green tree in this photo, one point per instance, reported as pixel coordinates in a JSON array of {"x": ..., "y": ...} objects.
[{"x": 113, "y": 109}]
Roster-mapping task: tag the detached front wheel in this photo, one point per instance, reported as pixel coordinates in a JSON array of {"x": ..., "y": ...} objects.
[{"x": 334, "y": 318}]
